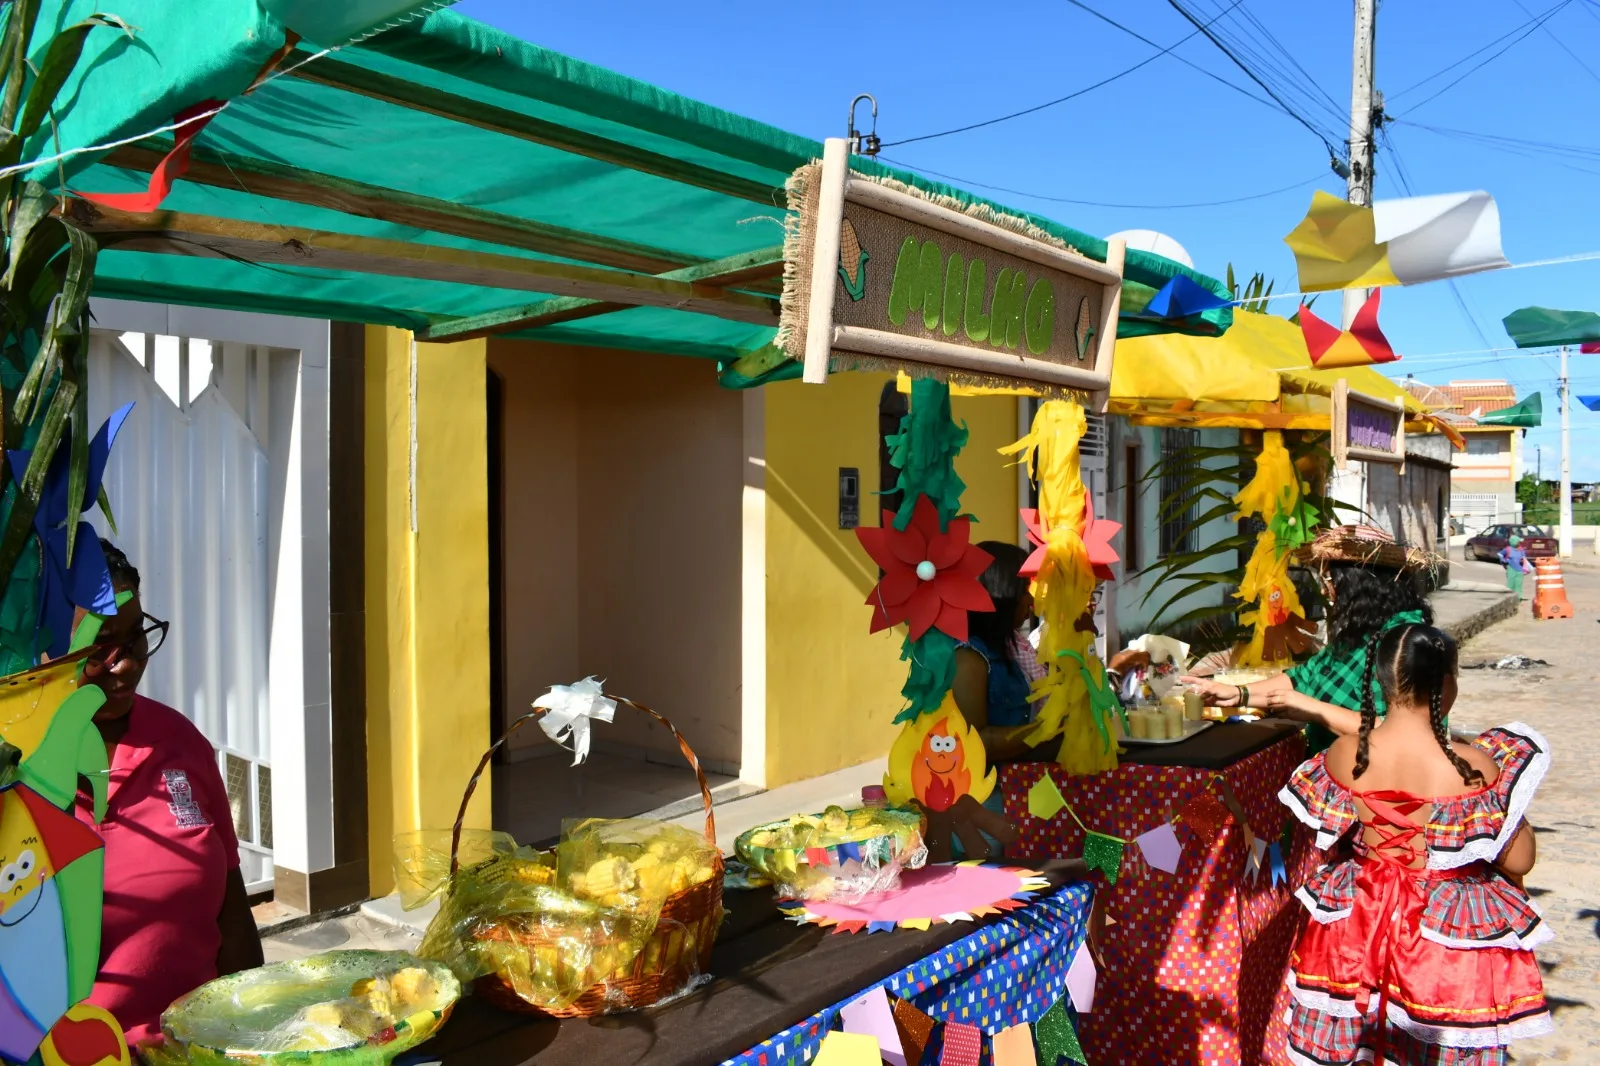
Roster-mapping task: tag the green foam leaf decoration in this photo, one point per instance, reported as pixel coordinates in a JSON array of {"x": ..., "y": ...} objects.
[{"x": 925, "y": 450}]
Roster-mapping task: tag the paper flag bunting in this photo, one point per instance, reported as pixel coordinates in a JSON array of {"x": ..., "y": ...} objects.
[
  {"x": 1081, "y": 979},
  {"x": 1258, "y": 851},
  {"x": 1045, "y": 800},
  {"x": 1182, "y": 297},
  {"x": 1363, "y": 344},
  {"x": 1591, "y": 402},
  {"x": 1161, "y": 848},
  {"x": 1057, "y": 1038},
  {"x": 914, "y": 1028},
  {"x": 871, "y": 1016},
  {"x": 1547, "y": 327},
  {"x": 1014, "y": 1047},
  {"x": 962, "y": 1045},
  {"x": 1205, "y": 815},
  {"x": 1103, "y": 853},
  {"x": 1279, "y": 874},
  {"x": 1340, "y": 245},
  {"x": 848, "y": 1049}
]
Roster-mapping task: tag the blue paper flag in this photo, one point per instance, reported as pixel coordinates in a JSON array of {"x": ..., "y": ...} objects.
[
  {"x": 1279, "y": 874},
  {"x": 1591, "y": 402},
  {"x": 1182, "y": 297}
]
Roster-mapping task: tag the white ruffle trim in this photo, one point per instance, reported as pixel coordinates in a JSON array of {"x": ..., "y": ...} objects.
[
  {"x": 1542, "y": 934},
  {"x": 1488, "y": 849},
  {"x": 1362, "y": 1055},
  {"x": 1325, "y": 838},
  {"x": 1441, "y": 1035},
  {"x": 1320, "y": 916}
]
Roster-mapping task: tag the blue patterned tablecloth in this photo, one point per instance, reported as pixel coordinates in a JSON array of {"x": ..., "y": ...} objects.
[{"x": 1007, "y": 973}]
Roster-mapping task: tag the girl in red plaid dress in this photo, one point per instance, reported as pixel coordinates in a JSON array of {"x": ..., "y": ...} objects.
[{"x": 1419, "y": 950}]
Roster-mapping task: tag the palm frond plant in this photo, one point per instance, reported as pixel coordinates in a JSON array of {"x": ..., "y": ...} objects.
[{"x": 44, "y": 320}]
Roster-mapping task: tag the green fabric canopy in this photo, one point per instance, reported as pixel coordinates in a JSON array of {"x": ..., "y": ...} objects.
[
  {"x": 1527, "y": 414},
  {"x": 467, "y": 156},
  {"x": 1540, "y": 327}
]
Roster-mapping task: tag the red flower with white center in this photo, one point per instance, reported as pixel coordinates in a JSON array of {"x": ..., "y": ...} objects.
[
  {"x": 1096, "y": 534},
  {"x": 930, "y": 578}
]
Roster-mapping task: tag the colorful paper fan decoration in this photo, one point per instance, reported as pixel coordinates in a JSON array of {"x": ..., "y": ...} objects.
[
  {"x": 1332, "y": 348},
  {"x": 930, "y": 576},
  {"x": 1096, "y": 534},
  {"x": 933, "y": 895}
]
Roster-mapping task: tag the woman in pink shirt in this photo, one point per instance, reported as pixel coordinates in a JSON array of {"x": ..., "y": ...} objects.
[{"x": 176, "y": 913}]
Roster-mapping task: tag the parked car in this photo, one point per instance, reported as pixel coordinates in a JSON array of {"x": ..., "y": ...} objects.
[{"x": 1486, "y": 546}]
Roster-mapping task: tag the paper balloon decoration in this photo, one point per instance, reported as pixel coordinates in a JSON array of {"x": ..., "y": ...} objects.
[{"x": 930, "y": 576}]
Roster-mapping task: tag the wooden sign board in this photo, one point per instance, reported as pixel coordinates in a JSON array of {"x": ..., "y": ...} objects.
[
  {"x": 894, "y": 278},
  {"x": 1366, "y": 428}
]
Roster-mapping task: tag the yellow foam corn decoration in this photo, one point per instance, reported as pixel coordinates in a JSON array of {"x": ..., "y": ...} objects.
[
  {"x": 1274, "y": 491},
  {"x": 1062, "y": 588}
]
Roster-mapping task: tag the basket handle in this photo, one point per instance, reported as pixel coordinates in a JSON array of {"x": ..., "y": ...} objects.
[{"x": 483, "y": 764}]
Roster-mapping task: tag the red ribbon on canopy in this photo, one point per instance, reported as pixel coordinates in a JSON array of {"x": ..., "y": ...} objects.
[{"x": 191, "y": 120}]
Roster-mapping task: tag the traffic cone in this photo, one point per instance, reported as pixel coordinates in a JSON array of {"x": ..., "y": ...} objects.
[{"x": 1550, "y": 592}]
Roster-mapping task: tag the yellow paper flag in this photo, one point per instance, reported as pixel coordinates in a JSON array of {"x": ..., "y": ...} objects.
[
  {"x": 1339, "y": 245},
  {"x": 1014, "y": 1047},
  {"x": 848, "y": 1049},
  {"x": 1044, "y": 799}
]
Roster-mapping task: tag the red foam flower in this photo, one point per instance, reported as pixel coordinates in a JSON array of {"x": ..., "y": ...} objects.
[
  {"x": 930, "y": 578},
  {"x": 1096, "y": 534}
]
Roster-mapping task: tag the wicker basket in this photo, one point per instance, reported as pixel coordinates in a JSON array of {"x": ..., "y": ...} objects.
[{"x": 678, "y": 950}]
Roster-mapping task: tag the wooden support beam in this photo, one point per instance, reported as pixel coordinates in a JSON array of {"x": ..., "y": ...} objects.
[
  {"x": 350, "y": 77},
  {"x": 282, "y": 182},
  {"x": 175, "y": 233},
  {"x": 736, "y": 271}
]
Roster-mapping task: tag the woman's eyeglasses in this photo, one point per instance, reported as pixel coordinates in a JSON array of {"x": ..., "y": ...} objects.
[{"x": 103, "y": 656}]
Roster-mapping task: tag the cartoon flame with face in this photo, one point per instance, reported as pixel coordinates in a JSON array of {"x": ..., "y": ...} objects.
[
  {"x": 1277, "y": 613},
  {"x": 937, "y": 759}
]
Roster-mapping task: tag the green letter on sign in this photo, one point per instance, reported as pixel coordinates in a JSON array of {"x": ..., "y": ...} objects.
[
  {"x": 977, "y": 322},
  {"x": 905, "y": 295},
  {"x": 955, "y": 292},
  {"x": 1039, "y": 318},
  {"x": 1010, "y": 294},
  {"x": 930, "y": 279}
]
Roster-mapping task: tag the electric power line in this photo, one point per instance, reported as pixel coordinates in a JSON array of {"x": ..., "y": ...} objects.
[
  {"x": 1052, "y": 103},
  {"x": 1587, "y": 69},
  {"x": 965, "y": 182},
  {"x": 1527, "y": 29}
]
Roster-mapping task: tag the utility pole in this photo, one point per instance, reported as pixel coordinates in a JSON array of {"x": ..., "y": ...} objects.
[
  {"x": 1363, "y": 107},
  {"x": 1566, "y": 460}
]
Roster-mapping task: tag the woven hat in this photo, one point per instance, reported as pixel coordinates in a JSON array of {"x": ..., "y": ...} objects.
[{"x": 1365, "y": 546}]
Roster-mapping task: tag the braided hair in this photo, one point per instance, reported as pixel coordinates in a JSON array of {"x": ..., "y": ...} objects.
[
  {"x": 1369, "y": 705},
  {"x": 1413, "y": 661}
]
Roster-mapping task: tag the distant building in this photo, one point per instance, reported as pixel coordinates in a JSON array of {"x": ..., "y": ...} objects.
[{"x": 1483, "y": 482}]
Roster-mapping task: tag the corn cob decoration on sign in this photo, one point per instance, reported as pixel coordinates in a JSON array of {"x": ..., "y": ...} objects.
[{"x": 881, "y": 276}]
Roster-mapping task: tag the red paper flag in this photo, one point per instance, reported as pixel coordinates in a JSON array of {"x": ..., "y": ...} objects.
[
  {"x": 1205, "y": 815},
  {"x": 962, "y": 1045},
  {"x": 1363, "y": 344}
]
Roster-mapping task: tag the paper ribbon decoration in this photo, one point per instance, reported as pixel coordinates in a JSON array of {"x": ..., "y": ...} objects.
[
  {"x": 871, "y": 1016},
  {"x": 569, "y": 710},
  {"x": 1044, "y": 798},
  {"x": 1181, "y": 297},
  {"x": 1081, "y": 977},
  {"x": 848, "y": 1049},
  {"x": 1014, "y": 1047},
  {"x": 1056, "y": 1036},
  {"x": 930, "y": 577},
  {"x": 963, "y": 1044},
  {"x": 1161, "y": 848},
  {"x": 1104, "y": 853},
  {"x": 1340, "y": 245},
  {"x": 1363, "y": 344},
  {"x": 914, "y": 1028},
  {"x": 1063, "y": 586}
]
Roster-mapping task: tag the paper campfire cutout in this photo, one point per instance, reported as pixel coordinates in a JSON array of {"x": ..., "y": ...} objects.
[
  {"x": 933, "y": 895},
  {"x": 930, "y": 577},
  {"x": 938, "y": 766}
]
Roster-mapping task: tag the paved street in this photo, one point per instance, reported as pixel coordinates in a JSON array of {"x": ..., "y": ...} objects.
[{"x": 1559, "y": 701}]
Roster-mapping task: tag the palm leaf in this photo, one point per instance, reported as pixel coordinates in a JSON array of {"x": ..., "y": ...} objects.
[
  {"x": 60, "y": 56},
  {"x": 75, "y": 372},
  {"x": 26, "y": 504}
]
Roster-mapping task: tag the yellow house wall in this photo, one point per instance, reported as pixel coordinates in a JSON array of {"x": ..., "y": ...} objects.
[
  {"x": 832, "y": 689},
  {"x": 427, "y": 590}
]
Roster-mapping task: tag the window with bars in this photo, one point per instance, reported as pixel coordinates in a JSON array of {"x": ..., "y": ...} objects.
[{"x": 1178, "y": 490}]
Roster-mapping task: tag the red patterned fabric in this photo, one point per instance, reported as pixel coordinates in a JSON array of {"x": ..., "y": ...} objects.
[{"x": 1195, "y": 964}]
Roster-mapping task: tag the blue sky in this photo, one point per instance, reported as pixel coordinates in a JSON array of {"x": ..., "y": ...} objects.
[{"x": 1169, "y": 134}]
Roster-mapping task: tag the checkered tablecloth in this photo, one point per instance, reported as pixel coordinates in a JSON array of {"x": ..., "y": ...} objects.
[
  {"x": 1009, "y": 972},
  {"x": 1195, "y": 961}
]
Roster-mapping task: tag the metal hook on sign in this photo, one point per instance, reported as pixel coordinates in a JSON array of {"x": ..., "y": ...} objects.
[{"x": 869, "y": 144}]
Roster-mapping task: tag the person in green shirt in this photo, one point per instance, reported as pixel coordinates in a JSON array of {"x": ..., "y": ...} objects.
[{"x": 1371, "y": 585}]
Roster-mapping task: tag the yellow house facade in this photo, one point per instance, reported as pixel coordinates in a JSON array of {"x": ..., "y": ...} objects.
[{"x": 537, "y": 513}]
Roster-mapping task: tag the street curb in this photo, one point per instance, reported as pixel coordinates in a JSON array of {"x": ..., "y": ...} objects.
[{"x": 1500, "y": 610}]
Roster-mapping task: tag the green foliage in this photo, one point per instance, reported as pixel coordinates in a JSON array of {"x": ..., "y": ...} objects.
[
  {"x": 44, "y": 318},
  {"x": 1531, "y": 491}
]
